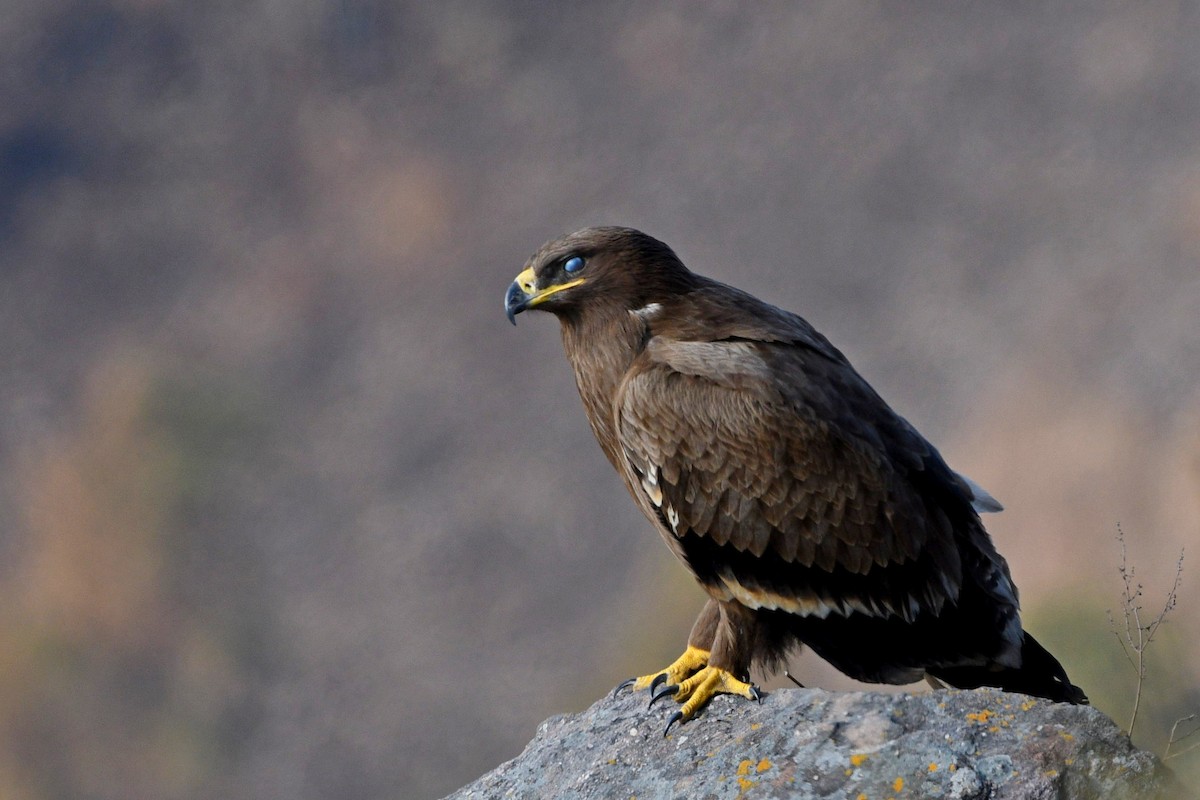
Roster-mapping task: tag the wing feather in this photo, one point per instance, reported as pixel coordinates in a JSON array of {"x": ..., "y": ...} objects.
[{"x": 787, "y": 481}]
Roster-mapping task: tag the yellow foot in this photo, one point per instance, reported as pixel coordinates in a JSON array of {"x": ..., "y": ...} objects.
[
  {"x": 692, "y": 682},
  {"x": 696, "y": 691},
  {"x": 692, "y": 659}
]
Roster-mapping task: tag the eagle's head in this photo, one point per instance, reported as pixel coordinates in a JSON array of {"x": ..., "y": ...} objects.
[{"x": 597, "y": 270}]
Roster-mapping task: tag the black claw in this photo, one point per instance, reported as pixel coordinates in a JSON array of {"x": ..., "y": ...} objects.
[
  {"x": 658, "y": 679},
  {"x": 622, "y": 685},
  {"x": 757, "y": 694},
  {"x": 665, "y": 691},
  {"x": 678, "y": 715}
]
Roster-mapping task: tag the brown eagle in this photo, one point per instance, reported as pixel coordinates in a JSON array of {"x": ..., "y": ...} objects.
[{"x": 808, "y": 509}]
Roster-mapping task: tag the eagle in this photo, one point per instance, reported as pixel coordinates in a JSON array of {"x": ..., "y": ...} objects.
[{"x": 810, "y": 512}]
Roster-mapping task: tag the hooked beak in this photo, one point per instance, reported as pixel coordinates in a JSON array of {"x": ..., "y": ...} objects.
[
  {"x": 524, "y": 293},
  {"x": 515, "y": 301}
]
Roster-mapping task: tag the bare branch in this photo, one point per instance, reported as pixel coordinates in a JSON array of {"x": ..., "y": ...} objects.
[
  {"x": 1136, "y": 636},
  {"x": 1174, "y": 740}
]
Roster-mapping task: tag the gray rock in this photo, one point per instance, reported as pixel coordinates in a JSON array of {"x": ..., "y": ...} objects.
[{"x": 807, "y": 743}]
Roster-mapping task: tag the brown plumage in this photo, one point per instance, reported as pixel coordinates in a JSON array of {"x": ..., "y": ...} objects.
[{"x": 807, "y": 509}]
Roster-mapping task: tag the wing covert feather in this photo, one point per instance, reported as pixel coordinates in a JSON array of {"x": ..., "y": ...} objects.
[{"x": 783, "y": 454}]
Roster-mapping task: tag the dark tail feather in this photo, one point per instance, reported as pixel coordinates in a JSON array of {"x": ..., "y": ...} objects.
[{"x": 1039, "y": 675}]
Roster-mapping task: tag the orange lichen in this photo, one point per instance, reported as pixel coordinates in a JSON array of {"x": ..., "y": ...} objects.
[
  {"x": 744, "y": 767},
  {"x": 980, "y": 716},
  {"x": 763, "y": 766},
  {"x": 857, "y": 759},
  {"x": 898, "y": 785},
  {"x": 933, "y": 767}
]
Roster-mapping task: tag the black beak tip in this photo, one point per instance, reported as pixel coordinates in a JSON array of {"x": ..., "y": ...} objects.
[{"x": 514, "y": 302}]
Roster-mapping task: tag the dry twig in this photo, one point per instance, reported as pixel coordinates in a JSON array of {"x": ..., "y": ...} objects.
[
  {"x": 1173, "y": 740},
  {"x": 1137, "y": 635}
]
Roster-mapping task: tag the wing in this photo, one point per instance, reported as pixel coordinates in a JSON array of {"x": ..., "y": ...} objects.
[{"x": 785, "y": 482}]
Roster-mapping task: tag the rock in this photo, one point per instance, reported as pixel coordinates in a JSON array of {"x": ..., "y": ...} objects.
[{"x": 807, "y": 743}]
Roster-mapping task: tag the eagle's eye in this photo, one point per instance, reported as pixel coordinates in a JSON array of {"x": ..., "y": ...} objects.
[{"x": 573, "y": 264}]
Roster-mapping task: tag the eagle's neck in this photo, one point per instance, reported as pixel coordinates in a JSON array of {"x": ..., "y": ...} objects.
[{"x": 601, "y": 349}]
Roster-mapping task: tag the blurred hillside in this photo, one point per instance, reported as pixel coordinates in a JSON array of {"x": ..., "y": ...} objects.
[{"x": 287, "y": 509}]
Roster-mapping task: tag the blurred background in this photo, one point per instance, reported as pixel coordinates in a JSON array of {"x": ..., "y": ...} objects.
[{"x": 287, "y": 508}]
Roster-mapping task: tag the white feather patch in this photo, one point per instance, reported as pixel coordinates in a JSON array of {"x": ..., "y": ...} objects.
[
  {"x": 673, "y": 518},
  {"x": 803, "y": 606},
  {"x": 650, "y": 486},
  {"x": 647, "y": 311}
]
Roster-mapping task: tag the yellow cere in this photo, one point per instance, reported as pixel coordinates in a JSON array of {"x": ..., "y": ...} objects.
[{"x": 527, "y": 281}]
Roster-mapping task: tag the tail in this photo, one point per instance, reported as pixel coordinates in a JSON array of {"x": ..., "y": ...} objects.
[{"x": 1039, "y": 675}]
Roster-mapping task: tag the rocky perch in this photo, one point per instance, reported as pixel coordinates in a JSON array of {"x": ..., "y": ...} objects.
[{"x": 807, "y": 743}]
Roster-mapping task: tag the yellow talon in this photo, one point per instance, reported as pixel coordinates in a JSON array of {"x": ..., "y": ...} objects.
[
  {"x": 692, "y": 659},
  {"x": 707, "y": 683}
]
